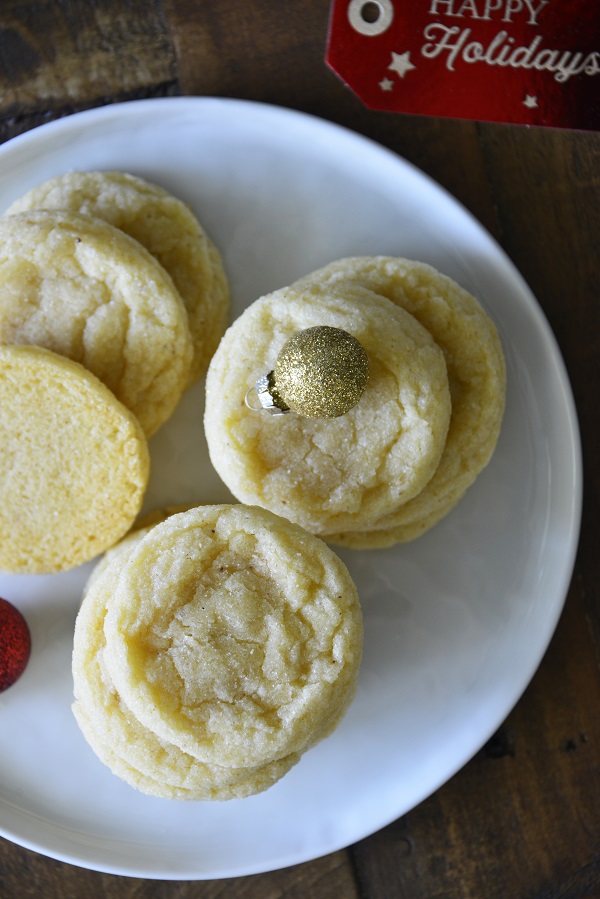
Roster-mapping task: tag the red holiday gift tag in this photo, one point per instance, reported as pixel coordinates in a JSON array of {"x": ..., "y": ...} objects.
[{"x": 528, "y": 62}]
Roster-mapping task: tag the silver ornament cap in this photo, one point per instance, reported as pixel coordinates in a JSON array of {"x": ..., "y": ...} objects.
[{"x": 321, "y": 372}]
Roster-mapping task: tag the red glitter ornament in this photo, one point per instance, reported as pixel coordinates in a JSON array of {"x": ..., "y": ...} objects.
[{"x": 15, "y": 644}]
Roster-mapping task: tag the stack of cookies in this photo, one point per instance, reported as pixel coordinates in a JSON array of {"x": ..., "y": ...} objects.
[
  {"x": 118, "y": 282},
  {"x": 212, "y": 649},
  {"x": 427, "y": 424}
]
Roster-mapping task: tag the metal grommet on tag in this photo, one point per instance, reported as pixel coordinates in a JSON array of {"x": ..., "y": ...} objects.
[{"x": 370, "y": 17}]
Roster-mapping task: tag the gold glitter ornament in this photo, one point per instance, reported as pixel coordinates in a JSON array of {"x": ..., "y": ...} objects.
[{"x": 321, "y": 372}]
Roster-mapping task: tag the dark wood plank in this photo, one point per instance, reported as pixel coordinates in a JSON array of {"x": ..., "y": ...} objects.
[
  {"x": 27, "y": 875},
  {"x": 546, "y": 186},
  {"x": 64, "y": 54}
]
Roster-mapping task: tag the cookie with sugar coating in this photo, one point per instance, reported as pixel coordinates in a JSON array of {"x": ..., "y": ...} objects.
[
  {"x": 133, "y": 752},
  {"x": 476, "y": 371},
  {"x": 165, "y": 226},
  {"x": 74, "y": 463},
  {"x": 335, "y": 474},
  {"x": 122, "y": 548},
  {"x": 213, "y": 786},
  {"x": 234, "y": 635},
  {"x": 78, "y": 286}
]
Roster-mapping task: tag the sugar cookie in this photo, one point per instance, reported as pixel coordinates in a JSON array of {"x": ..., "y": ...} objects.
[
  {"x": 213, "y": 786},
  {"x": 329, "y": 474},
  {"x": 234, "y": 635},
  {"x": 476, "y": 372},
  {"x": 82, "y": 288},
  {"x": 74, "y": 463},
  {"x": 165, "y": 226},
  {"x": 133, "y": 752}
]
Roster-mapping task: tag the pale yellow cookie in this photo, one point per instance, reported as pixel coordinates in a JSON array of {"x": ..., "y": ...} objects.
[
  {"x": 241, "y": 785},
  {"x": 165, "y": 226},
  {"x": 80, "y": 287},
  {"x": 73, "y": 467},
  {"x": 337, "y": 473},
  {"x": 476, "y": 372},
  {"x": 132, "y": 751},
  {"x": 108, "y": 754},
  {"x": 140, "y": 526},
  {"x": 234, "y": 635}
]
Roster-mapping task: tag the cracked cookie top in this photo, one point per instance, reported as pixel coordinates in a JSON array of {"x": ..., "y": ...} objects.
[
  {"x": 78, "y": 286},
  {"x": 469, "y": 340},
  {"x": 234, "y": 635},
  {"x": 132, "y": 751},
  {"x": 165, "y": 226},
  {"x": 329, "y": 475}
]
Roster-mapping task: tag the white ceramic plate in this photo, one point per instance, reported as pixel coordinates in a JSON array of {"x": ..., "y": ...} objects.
[{"x": 456, "y": 623}]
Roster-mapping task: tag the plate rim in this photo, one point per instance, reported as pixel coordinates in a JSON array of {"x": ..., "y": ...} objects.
[{"x": 575, "y": 513}]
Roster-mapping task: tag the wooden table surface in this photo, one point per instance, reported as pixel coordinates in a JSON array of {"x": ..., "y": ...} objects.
[{"x": 522, "y": 818}]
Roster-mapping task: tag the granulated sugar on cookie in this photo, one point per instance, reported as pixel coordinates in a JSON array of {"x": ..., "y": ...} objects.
[
  {"x": 333, "y": 474},
  {"x": 78, "y": 286},
  {"x": 165, "y": 226},
  {"x": 476, "y": 371},
  {"x": 132, "y": 751},
  {"x": 74, "y": 463},
  {"x": 399, "y": 460},
  {"x": 230, "y": 634}
]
